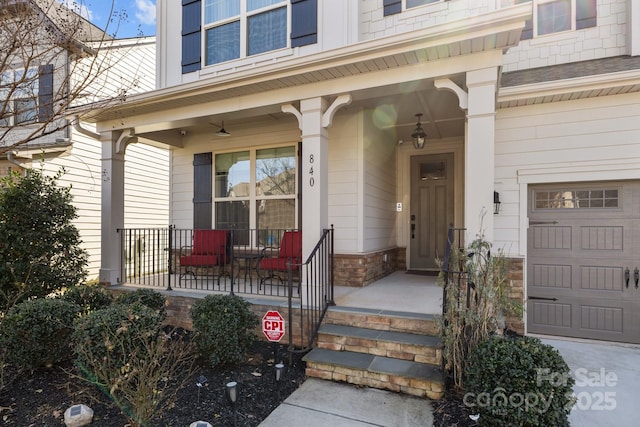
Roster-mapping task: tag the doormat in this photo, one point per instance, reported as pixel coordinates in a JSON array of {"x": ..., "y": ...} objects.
[{"x": 423, "y": 272}]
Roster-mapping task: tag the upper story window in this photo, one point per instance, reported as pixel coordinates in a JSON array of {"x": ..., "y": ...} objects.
[
  {"x": 415, "y": 3},
  {"x": 239, "y": 28},
  {"x": 555, "y": 16},
  {"x": 19, "y": 93}
]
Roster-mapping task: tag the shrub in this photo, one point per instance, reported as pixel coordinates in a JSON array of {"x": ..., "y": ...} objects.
[
  {"x": 93, "y": 335},
  {"x": 147, "y": 297},
  {"x": 121, "y": 350},
  {"x": 224, "y": 328},
  {"x": 88, "y": 297},
  {"x": 36, "y": 333},
  {"x": 518, "y": 382},
  {"x": 40, "y": 249},
  {"x": 470, "y": 318}
]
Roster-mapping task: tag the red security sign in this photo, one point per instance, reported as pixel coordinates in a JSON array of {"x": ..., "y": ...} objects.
[{"x": 273, "y": 326}]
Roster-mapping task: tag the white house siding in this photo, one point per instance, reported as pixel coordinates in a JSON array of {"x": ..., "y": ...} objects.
[
  {"x": 582, "y": 140},
  {"x": 146, "y": 187},
  {"x": 83, "y": 174},
  {"x": 379, "y": 188},
  {"x": 345, "y": 182},
  {"x": 607, "y": 39}
]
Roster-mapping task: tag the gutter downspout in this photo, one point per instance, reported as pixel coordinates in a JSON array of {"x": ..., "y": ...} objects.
[
  {"x": 84, "y": 131},
  {"x": 11, "y": 157}
]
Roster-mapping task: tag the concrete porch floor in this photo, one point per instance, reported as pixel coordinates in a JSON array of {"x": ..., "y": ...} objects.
[{"x": 399, "y": 291}]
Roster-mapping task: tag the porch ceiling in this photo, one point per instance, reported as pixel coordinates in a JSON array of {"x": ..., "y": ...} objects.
[{"x": 366, "y": 70}]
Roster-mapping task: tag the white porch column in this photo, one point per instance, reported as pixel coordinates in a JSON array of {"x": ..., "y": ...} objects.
[
  {"x": 112, "y": 207},
  {"x": 479, "y": 152},
  {"x": 314, "y": 165}
]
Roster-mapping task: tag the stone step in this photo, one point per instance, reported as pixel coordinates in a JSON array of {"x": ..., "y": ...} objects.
[
  {"x": 404, "y": 376},
  {"x": 400, "y": 345},
  {"x": 384, "y": 320}
]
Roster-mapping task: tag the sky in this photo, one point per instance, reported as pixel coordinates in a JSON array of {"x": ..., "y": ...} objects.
[{"x": 135, "y": 17}]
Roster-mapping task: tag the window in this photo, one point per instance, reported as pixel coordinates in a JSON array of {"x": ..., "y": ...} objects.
[
  {"x": 239, "y": 28},
  {"x": 554, "y": 16},
  {"x": 415, "y": 3},
  {"x": 577, "y": 199},
  {"x": 19, "y": 90},
  {"x": 256, "y": 189}
]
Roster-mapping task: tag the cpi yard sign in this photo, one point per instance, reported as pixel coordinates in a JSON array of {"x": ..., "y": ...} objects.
[{"x": 273, "y": 326}]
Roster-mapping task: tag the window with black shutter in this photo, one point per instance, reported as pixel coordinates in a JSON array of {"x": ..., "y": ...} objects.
[{"x": 191, "y": 35}]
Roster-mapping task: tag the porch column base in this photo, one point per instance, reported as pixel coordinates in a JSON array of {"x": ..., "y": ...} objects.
[{"x": 109, "y": 276}]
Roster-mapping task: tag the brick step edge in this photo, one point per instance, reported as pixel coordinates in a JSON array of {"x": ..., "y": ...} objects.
[
  {"x": 399, "y": 345},
  {"x": 385, "y": 373},
  {"x": 384, "y": 320}
]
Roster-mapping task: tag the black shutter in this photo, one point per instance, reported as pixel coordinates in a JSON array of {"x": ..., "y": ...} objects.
[
  {"x": 191, "y": 35},
  {"x": 586, "y": 14},
  {"x": 202, "y": 190},
  {"x": 391, "y": 7},
  {"x": 45, "y": 93},
  {"x": 304, "y": 22}
]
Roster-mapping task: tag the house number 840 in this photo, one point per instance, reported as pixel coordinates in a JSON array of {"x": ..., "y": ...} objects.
[{"x": 311, "y": 178}]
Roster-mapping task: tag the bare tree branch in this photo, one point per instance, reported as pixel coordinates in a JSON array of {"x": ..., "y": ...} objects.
[{"x": 53, "y": 59}]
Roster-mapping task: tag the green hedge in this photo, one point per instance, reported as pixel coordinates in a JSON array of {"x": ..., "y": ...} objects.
[{"x": 518, "y": 382}]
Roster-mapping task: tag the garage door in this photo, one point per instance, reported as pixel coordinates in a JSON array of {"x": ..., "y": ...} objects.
[{"x": 583, "y": 258}]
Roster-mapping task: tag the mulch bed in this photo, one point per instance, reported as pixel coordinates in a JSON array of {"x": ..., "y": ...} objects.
[{"x": 40, "y": 398}]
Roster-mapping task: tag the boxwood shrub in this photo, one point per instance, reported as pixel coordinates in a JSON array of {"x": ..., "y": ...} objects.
[
  {"x": 88, "y": 297},
  {"x": 106, "y": 339},
  {"x": 148, "y": 297},
  {"x": 36, "y": 333},
  {"x": 224, "y": 328},
  {"x": 518, "y": 381}
]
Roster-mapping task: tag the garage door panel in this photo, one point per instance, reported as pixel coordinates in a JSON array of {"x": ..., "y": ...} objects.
[
  {"x": 603, "y": 319},
  {"x": 551, "y": 276},
  {"x": 601, "y": 278},
  {"x": 606, "y": 238},
  {"x": 579, "y": 249},
  {"x": 550, "y": 315},
  {"x": 552, "y": 238}
]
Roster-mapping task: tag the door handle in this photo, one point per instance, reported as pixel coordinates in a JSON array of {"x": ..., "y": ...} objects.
[
  {"x": 626, "y": 277},
  {"x": 413, "y": 231},
  {"x": 636, "y": 276}
]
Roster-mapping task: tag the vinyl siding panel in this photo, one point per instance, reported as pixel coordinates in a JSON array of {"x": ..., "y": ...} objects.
[
  {"x": 345, "y": 182},
  {"x": 574, "y": 140}
]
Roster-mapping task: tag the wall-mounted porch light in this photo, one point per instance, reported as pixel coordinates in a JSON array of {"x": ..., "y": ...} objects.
[{"x": 496, "y": 203}]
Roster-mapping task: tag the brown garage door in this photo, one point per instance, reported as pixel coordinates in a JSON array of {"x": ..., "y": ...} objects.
[{"x": 583, "y": 258}]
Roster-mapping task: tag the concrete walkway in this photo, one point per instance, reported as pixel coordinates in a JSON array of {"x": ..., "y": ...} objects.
[{"x": 607, "y": 382}]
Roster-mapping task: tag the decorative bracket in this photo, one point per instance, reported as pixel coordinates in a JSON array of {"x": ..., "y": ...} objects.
[
  {"x": 463, "y": 97},
  {"x": 327, "y": 116},
  {"x": 128, "y": 136}
]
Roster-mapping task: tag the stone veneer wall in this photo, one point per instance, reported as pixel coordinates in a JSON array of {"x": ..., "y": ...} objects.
[
  {"x": 179, "y": 315},
  {"x": 515, "y": 276},
  {"x": 362, "y": 269}
]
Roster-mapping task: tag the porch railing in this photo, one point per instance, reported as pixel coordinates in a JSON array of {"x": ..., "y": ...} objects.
[{"x": 156, "y": 256}]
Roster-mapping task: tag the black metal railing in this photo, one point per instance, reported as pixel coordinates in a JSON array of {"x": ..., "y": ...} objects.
[
  {"x": 454, "y": 268},
  {"x": 317, "y": 295},
  {"x": 242, "y": 261}
]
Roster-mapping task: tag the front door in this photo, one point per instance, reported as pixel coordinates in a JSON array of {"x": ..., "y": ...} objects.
[{"x": 431, "y": 209}]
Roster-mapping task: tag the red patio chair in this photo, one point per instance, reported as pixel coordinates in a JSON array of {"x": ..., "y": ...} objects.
[
  {"x": 289, "y": 253},
  {"x": 210, "y": 249}
]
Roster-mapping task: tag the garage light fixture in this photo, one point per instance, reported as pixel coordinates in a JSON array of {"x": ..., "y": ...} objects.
[{"x": 496, "y": 203}]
